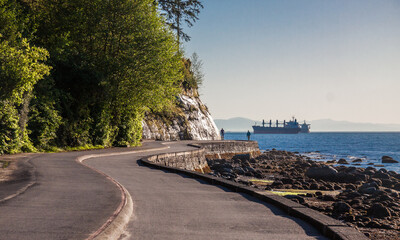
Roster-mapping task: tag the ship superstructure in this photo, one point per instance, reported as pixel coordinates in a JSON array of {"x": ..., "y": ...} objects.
[{"x": 285, "y": 127}]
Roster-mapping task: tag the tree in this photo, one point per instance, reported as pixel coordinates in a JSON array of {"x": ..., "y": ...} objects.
[
  {"x": 178, "y": 11},
  {"x": 196, "y": 69},
  {"x": 112, "y": 60},
  {"x": 21, "y": 67}
]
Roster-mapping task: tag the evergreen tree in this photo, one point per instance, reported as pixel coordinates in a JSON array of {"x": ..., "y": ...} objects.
[{"x": 181, "y": 11}]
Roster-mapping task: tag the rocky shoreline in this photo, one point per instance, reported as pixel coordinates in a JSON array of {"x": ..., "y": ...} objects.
[{"x": 367, "y": 199}]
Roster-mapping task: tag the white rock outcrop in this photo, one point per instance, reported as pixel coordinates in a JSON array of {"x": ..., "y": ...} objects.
[{"x": 193, "y": 123}]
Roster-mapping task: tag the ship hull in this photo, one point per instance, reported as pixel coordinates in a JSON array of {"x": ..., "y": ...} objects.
[{"x": 275, "y": 130}]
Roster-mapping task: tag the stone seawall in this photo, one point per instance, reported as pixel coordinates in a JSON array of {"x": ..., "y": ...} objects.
[
  {"x": 228, "y": 149},
  {"x": 195, "y": 160}
]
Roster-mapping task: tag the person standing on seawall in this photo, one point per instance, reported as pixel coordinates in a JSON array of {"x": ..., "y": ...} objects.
[
  {"x": 222, "y": 133},
  {"x": 248, "y": 135}
]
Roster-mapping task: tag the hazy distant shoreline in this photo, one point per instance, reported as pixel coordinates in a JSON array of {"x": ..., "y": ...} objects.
[{"x": 240, "y": 124}]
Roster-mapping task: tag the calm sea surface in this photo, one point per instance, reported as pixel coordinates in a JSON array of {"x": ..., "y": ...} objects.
[{"x": 370, "y": 147}]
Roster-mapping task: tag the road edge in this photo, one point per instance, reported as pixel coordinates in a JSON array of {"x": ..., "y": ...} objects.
[
  {"x": 116, "y": 224},
  {"x": 30, "y": 182}
]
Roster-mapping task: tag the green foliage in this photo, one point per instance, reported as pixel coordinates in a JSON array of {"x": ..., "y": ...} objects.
[
  {"x": 21, "y": 66},
  {"x": 44, "y": 119},
  {"x": 10, "y": 141},
  {"x": 107, "y": 63},
  {"x": 11, "y": 21},
  {"x": 192, "y": 72},
  {"x": 111, "y": 61},
  {"x": 20, "y": 69}
]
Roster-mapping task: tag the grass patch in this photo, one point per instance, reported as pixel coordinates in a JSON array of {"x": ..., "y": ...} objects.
[
  {"x": 261, "y": 181},
  {"x": 53, "y": 149},
  {"x": 286, "y": 192},
  {"x": 84, "y": 147}
]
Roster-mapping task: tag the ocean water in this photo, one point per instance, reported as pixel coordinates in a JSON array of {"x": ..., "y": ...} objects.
[{"x": 323, "y": 146}]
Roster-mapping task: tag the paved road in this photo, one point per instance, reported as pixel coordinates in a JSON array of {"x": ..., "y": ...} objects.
[
  {"x": 172, "y": 206},
  {"x": 70, "y": 201}
]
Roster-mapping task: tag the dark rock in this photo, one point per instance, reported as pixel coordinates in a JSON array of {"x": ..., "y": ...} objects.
[
  {"x": 355, "y": 202},
  {"x": 287, "y": 180},
  {"x": 324, "y": 172},
  {"x": 337, "y": 187},
  {"x": 394, "y": 194},
  {"x": 350, "y": 169},
  {"x": 397, "y": 187},
  {"x": 298, "y": 198},
  {"x": 352, "y": 194},
  {"x": 345, "y": 177},
  {"x": 378, "y": 181},
  {"x": 381, "y": 175},
  {"x": 387, "y": 183},
  {"x": 397, "y": 176},
  {"x": 383, "y": 170},
  {"x": 242, "y": 157},
  {"x": 341, "y": 207},
  {"x": 227, "y": 170},
  {"x": 328, "y": 198},
  {"x": 379, "y": 211},
  {"x": 358, "y": 160},
  {"x": 368, "y": 188},
  {"x": 387, "y": 159},
  {"x": 349, "y": 218},
  {"x": 277, "y": 183},
  {"x": 373, "y": 224},
  {"x": 323, "y": 188},
  {"x": 350, "y": 186},
  {"x": 342, "y": 161},
  {"x": 318, "y": 193}
]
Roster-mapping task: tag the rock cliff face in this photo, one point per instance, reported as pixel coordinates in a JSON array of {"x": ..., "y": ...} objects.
[{"x": 188, "y": 120}]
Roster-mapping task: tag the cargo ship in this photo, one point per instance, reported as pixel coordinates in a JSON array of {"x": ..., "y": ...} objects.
[
  {"x": 305, "y": 128},
  {"x": 290, "y": 127}
]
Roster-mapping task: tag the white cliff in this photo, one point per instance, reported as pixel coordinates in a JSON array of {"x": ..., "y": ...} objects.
[{"x": 189, "y": 121}]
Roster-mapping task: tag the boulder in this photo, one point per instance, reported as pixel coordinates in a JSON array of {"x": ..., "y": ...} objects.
[
  {"x": 369, "y": 185},
  {"x": 373, "y": 224},
  {"x": 357, "y": 160},
  {"x": 341, "y": 207},
  {"x": 328, "y": 198},
  {"x": 242, "y": 157},
  {"x": 379, "y": 211},
  {"x": 324, "y": 172},
  {"x": 387, "y": 159},
  {"x": 397, "y": 176},
  {"x": 342, "y": 161},
  {"x": 397, "y": 187},
  {"x": 381, "y": 175},
  {"x": 369, "y": 190}
]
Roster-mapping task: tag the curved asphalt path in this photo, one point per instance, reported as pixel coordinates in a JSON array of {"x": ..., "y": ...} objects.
[
  {"x": 172, "y": 206},
  {"x": 71, "y": 201}
]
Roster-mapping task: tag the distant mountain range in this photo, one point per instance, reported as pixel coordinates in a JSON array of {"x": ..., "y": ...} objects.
[{"x": 240, "y": 124}]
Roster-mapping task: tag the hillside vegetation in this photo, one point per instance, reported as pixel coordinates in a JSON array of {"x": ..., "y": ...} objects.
[{"x": 83, "y": 72}]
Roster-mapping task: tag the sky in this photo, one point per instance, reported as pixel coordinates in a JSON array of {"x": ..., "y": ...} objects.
[{"x": 313, "y": 59}]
